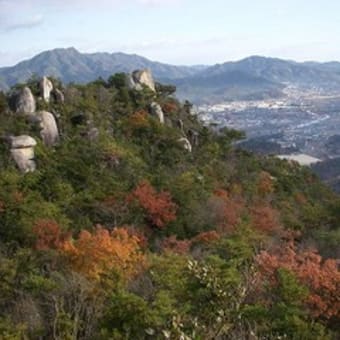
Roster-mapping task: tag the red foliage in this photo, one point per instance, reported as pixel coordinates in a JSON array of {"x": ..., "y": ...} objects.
[
  {"x": 176, "y": 246},
  {"x": 227, "y": 210},
  {"x": 321, "y": 277},
  {"x": 169, "y": 107},
  {"x": 207, "y": 237},
  {"x": 265, "y": 218},
  {"x": 49, "y": 235},
  {"x": 159, "y": 207}
]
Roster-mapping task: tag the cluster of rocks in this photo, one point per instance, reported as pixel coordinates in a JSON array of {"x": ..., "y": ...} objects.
[{"x": 22, "y": 147}]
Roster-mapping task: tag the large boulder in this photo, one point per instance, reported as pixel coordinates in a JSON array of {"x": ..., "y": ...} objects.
[
  {"x": 46, "y": 88},
  {"x": 143, "y": 77},
  {"x": 157, "y": 111},
  {"x": 186, "y": 143},
  {"x": 22, "y": 151},
  {"x": 49, "y": 129},
  {"x": 25, "y": 102}
]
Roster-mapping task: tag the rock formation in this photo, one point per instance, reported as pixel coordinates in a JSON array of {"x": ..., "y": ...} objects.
[
  {"x": 46, "y": 88},
  {"x": 49, "y": 129},
  {"x": 25, "y": 102},
  {"x": 140, "y": 78},
  {"x": 157, "y": 111},
  {"x": 58, "y": 96},
  {"x": 186, "y": 143},
  {"x": 193, "y": 136},
  {"x": 22, "y": 151}
]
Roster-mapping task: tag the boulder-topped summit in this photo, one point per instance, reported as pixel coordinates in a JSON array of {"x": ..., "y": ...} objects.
[{"x": 139, "y": 78}]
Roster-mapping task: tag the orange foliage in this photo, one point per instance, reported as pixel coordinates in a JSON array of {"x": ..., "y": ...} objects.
[
  {"x": 49, "y": 235},
  {"x": 159, "y": 207},
  {"x": 265, "y": 218},
  {"x": 176, "y": 246},
  {"x": 321, "y": 277},
  {"x": 139, "y": 119},
  {"x": 101, "y": 251}
]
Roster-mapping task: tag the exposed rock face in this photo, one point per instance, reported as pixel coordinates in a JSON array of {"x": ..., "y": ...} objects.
[
  {"x": 193, "y": 136},
  {"x": 141, "y": 77},
  {"x": 132, "y": 85},
  {"x": 186, "y": 143},
  {"x": 180, "y": 124},
  {"x": 25, "y": 102},
  {"x": 22, "y": 151},
  {"x": 157, "y": 111},
  {"x": 49, "y": 129},
  {"x": 59, "y": 96},
  {"x": 46, "y": 88}
]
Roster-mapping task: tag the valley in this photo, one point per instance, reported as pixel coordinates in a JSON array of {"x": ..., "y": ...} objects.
[{"x": 301, "y": 123}]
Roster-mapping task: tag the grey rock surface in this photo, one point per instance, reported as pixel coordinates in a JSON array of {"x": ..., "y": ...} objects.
[
  {"x": 46, "y": 88},
  {"x": 49, "y": 129},
  {"x": 157, "y": 111},
  {"x": 25, "y": 101},
  {"x": 186, "y": 143},
  {"x": 22, "y": 151},
  {"x": 144, "y": 77}
]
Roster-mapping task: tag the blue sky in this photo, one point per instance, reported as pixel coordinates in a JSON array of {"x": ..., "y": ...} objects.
[{"x": 173, "y": 31}]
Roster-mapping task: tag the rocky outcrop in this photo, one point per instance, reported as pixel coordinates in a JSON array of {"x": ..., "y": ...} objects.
[
  {"x": 157, "y": 111},
  {"x": 46, "y": 88},
  {"x": 58, "y": 96},
  {"x": 140, "y": 78},
  {"x": 186, "y": 144},
  {"x": 49, "y": 129},
  {"x": 193, "y": 136},
  {"x": 22, "y": 151},
  {"x": 25, "y": 102}
]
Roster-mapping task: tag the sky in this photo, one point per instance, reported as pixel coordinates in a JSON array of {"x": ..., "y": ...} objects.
[{"x": 184, "y": 32}]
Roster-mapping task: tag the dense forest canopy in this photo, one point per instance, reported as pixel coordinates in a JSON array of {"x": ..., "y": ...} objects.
[{"x": 139, "y": 222}]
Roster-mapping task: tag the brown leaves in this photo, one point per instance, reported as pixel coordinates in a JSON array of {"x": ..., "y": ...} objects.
[
  {"x": 321, "y": 277},
  {"x": 49, "y": 235},
  {"x": 159, "y": 207}
]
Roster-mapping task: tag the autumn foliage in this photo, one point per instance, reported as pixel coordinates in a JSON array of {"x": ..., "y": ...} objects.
[
  {"x": 48, "y": 235},
  {"x": 176, "y": 246},
  {"x": 102, "y": 251},
  {"x": 138, "y": 119},
  {"x": 159, "y": 207},
  {"x": 265, "y": 218},
  {"x": 227, "y": 210},
  {"x": 322, "y": 278}
]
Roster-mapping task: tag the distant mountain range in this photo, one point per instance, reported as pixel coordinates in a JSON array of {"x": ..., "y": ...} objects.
[{"x": 251, "y": 78}]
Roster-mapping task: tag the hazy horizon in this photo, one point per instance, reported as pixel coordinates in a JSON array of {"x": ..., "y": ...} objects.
[{"x": 181, "y": 32}]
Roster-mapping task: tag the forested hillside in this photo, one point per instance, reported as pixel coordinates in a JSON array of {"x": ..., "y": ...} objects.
[{"x": 123, "y": 217}]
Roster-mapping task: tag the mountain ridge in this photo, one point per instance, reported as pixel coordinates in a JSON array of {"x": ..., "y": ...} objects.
[{"x": 254, "y": 77}]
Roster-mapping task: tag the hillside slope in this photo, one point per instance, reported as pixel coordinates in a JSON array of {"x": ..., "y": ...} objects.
[{"x": 123, "y": 217}]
